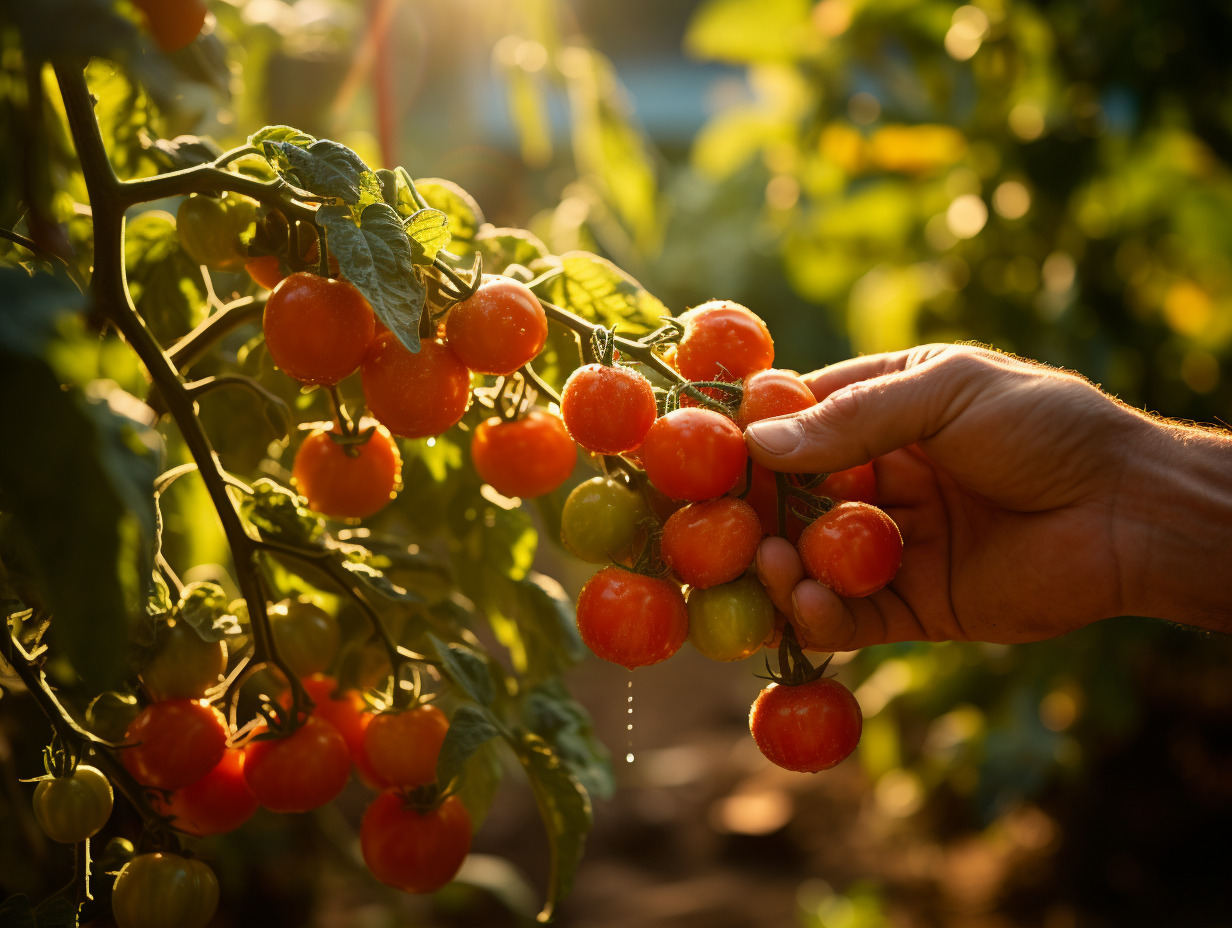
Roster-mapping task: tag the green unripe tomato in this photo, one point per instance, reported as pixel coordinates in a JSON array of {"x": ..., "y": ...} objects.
[
  {"x": 600, "y": 519},
  {"x": 730, "y": 621},
  {"x": 72, "y": 808},
  {"x": 184, "y": 665},
  {"x": 210, "y": 229},
  {"x": 164, "y": 891},
  {"x": 307, "y": 637}
]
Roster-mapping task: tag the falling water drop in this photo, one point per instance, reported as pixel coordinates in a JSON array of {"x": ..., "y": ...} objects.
[{"x": 629, "y": 726}]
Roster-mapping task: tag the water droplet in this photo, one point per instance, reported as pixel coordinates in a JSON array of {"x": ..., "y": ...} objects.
[
  {"x": 629, "y": 758},
  {"x": 629, "y": 727}
]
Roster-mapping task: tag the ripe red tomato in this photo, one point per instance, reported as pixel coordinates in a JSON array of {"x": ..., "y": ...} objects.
[
  {"x": 711, "y": 542},
  {"x": 806, "y": 728},
  {"x": 348, "y": 481},
  {"x": 854, "y": 549},
  {"x": 266, "y": 270},
  {"x": 415, "y": 395},
  {"x": 307, "y": 637},
  {"x": 298, "y": 772},
  {"x": 416, "y": 852},
  {"x": 723, "y": 340},
  {"x": 498, "y": 328},
  {"x": 173, "y": 23},
  {"x": 608, "y": 410},
  {"x": 344, "y": 709},
  {"x": 317, "y": 330},
  {"x": 693, "y": 454},
  {"x": 184, "y": 665},
  {"x": 772, "y": 393},
  {"x": 402, "y": 747},
  {"x": 74, "y": 807},
  {"x": 730, "y": 621},
  {"x": 601, "y": 518},
  {"x": 857, "y": 484},
  {"x": 218, "y": 803},
  {"x": 526, "y": 457},
  {"x": 174, "y": 742},
  {"x": 631, "y": 619},
  {"x": 160, "y": 890}
]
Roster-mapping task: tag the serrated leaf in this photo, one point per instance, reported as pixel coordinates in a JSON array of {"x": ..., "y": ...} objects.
[
  {"x": 553, "y": 714},
  {"x": 184, "y": 151},
  {"x": 469, "y": 729},
  {"x": 165, "y": 283},
  {"x": 377, "y": 582},
  {"x": 205, "y": 607},
  {"x": 534, "y": 619},
  {"x": 428, "y": 231},
  {"x": 502, "y": 247},
  {"x": 596, "y": 289},
  {"x": 325, "y": 167},
  {"x": 466, "y": 668},
  {"x": 280, "y": 134},
  {"x": 376, "y": 256},
  {"x": 277, "y": 513},
  {"x": 464, "y": 214}
]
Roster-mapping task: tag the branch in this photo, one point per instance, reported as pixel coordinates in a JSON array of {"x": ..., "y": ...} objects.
[{"x": 193, "y": 346}]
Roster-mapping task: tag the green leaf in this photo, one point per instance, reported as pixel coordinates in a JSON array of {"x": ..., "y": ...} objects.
[
  {"x": 596, "y": 289},
  {"x": 280, "y": 134},
  {"x": 376, "y": 257},
  {"x": 324, "y": 167},
  {"x": 184, "y": 151},
  {"x": 428, "y": 230},
  {"x": 533, "y": 618},
  {"x": 206, "y": 608},
  {"x": 466, "y": 668},
  {"x": 56, "y": 912},
  {"x": 752, "y": 31},
  {"x": 503, "y": 247},
  {"x": 75, "y": 30},
  {"x": 464, "y": 214},
  {"x": 469, "y": 729},
  {"x": 165, "y": 283},
  {"x": 376, "y": 581},
  {"x": 277, "y": 513},
  {"x": 17, "y": 912},
  {"x": 550, "y": 712}
]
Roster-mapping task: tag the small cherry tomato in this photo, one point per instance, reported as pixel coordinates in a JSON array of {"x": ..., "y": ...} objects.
[
  {"x": 526, "y": 457},
  {"x": 806, "y": 728},
  {"x": 631, "y": 619},
  {"x": 772, "y": 393},
  {"x": 415, "y": 395},
  {"x": 164, "y": 890},
  {"x": 608, "y": 410},
  {"x": 854, "y": 549},
  {"x": 307, "y": 637},
  {"x": 730, "y": 621},
  {"x": 184, "y": 665},
  {"x": 209, "y": 229},
  {"x": 348, "y": 480},
  {"x": 172, "y": 743},
  {"x": 600, "y": 519},
  {"x": 344, "y": 709},
  {"x": 693, "y": 454},
  {"x": 74, "y": 807},
  {"x": 216, "y": 804},
  {"x": 855, "y": 484},
  {"x": 497, "y": 329},
  {"x": 317, "y": 330},
  {"x": 711, "y": 542},
  {"x": 416, "y": 852},
  {"x": 266, "y": 270},
  {"x": 173, "y": 23},
  {"x": 300, "y": 771},
  {"x": 402, "y": 747},
  {"x": 723, "y": 340}
]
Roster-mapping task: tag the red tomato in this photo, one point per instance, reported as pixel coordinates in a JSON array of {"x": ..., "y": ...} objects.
[
  {"x": 301, "y": 771},
  {"x": 693, "y": 454},
  {"x": 763, "y": 497},
  {"x": 217, "y": 803},
  {"x": 608, "y": 410},
  {"x": 772, "y": 393},
  {"x": 266, "y": 270},
  {"x": 317, "y": 330},
  {"x": 499, "y": 328},
  {"x": 527, "y": 457},
  {"x": 711, "y": 542},
  {"x": 416, "y": 852},
  {"x": 630, "y": 619},
  {"x": 806, "y": 728},
  {"x": 174, "y": 742},
  {"x": 857, "y": 484},
  {"x": 723, "y": 340},
  {"x": 173, "y": 23},
  {"x": 402, "y": 747},
  {"x": 348, "y": 481},
  {"x": 415, "y": 395},
  {"x": 854, "y": 549},
  {"x": 344, "y": 709}
]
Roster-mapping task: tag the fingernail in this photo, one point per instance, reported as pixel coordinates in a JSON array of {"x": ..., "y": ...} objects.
[
  {"x": 795, "y": 606},
  {"x": 777, "y": 436},
  {"x": 757, "y": 566}
]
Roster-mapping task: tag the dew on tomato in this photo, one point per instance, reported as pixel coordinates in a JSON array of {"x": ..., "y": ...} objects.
[{"x": 631, "y": 619}]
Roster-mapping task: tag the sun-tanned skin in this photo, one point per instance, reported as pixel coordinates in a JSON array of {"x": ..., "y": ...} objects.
[{"x": 1031, "y": 503}]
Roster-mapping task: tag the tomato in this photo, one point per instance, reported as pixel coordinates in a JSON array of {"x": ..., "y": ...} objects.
[
  {"x": 527, "y": 457},
  {"x": 209, "y": 229},
  {"x": 218, "y": 803},
  {"x": 299, "y": 771},
  {"x": 344, "y": 709},
  {"x": 416, "y": 852},
  {"x": 854, "y": 549},
  {"x": 348, "y": 481},
  {"x": 857, "y": 484},
  {"x": 722, "y": 338},
  {"x": 711, "y": 542},
  {"x": 694, "y": 454},
  {"x": 608, "y": 410},
  {"x": 415, "y": 395},
  {"x": 164, "y": 891},
  {"x": 184, "y": 665},
  {"x": 497, "y": 329},
  {"x": 806, "y": 728},
  {"x": 631, "y": 619},
  {"x": 600, "y": 519},
  {"x": 317, "y": 330},
  {"x": 730, "y": 621},
  {"x": 172, "y": 743},
  {"x": 173, "y": 23},
  {"x": 75, "y": 807},
  {"x": 266, "y": 270},
  {"x": 402, "y": 747},
  {"x": 763, "y": 497},
  {"x": 307, "y": 637},
  {"x": 772, "y": 393}
]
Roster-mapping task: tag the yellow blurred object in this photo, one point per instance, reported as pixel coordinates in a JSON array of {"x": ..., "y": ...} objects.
[
  {"x": 1188, "y": 308},
  {"x": 844, "y": 146},
  {"x": 916, "y": 149}
]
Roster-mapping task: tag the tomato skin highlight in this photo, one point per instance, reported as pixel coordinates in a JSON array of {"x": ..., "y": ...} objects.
[
  {"x": 600, "y": 519},
  {"x": 498, "y": 328},
  {"x": 342, "y": 486},
  {"x": 854, "y": 549},
  {"x": 711, "y": 542},
  {"x": 75, "y": 807},
  {"x": 415, "y": 395},
  {"x": 183, "y": 665},
  {"x": 693, "y": 454},
  {"x": 216, "y": 804},
  {"x": 301, "y": 771},
  {"x": 174, "y": 742},
  {"x": 731, "y": 621},
  {"x": 723, "y": 341},
  {"x": 771, "y": 393},
  {"x": 806, "y": 728},
  {"x": 608, "y": 410},
  {"x": 401, "y": 748},
  {"x": 163, "y": 890},
  {"x": 630, "y": 619},
  {"x": 317, "y": 330},
  {"x": 527, "y": 457},
  {"x": 412, "y": 851}
]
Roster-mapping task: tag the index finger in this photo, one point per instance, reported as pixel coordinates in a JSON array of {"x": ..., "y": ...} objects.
[{"x": 843, "y": 373}]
